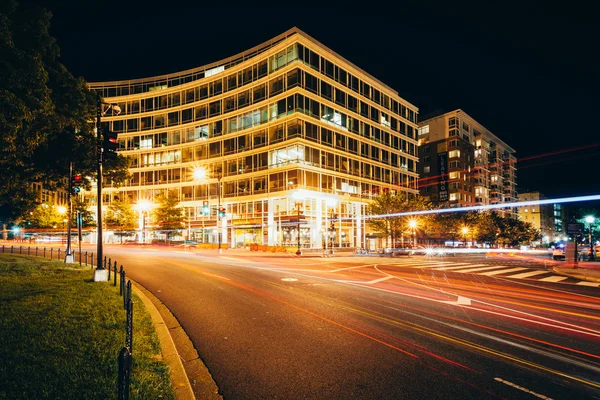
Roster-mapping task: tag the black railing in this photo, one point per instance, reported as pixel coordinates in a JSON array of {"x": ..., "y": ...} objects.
[
  {"x": 125, "y": 358},
  {"x": 51, "y": 253}
]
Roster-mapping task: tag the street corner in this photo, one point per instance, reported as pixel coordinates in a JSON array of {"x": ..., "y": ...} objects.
[{"x": 579, "y": 273}]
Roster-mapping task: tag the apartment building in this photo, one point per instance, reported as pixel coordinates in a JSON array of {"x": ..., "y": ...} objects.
[{"x": 463, "y": 163}]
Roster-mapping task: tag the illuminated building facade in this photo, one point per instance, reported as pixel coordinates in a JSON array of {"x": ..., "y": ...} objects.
[
  {"x": 480, "y": 169},
  {"x": 284, "y": 129},
  {"x": 541, "y": 217}
]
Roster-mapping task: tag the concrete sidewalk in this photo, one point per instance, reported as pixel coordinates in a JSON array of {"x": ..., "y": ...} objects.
[{"x": 586, "y": 270}]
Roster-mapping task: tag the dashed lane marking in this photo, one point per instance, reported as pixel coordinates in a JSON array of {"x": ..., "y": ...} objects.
[
  {"x": 586, "y": 283},
  {"x": 468, "y": 270}
]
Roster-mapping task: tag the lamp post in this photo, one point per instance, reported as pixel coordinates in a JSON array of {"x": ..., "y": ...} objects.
[
  {"x": 102, "y": 276},
  {"x": 465, "y": 232},
  {"x": 412, "y": 224},
  {"x": 200, "y": 174},
  {"x": 143, "y": 206},
  {"x": 298, "y": 205},
  {"x": 590, "y": 220}
]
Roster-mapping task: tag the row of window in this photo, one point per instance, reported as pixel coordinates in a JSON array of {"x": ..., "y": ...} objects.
[
  {"x": 241, "y": 100},
  {"x": 296, "y": 128},
  {"x": 258, "y": 71},
  {"x": 268, "y": 183}
]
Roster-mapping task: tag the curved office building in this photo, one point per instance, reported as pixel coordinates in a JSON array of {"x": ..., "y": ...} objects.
[{"x": 284, "y": 129}]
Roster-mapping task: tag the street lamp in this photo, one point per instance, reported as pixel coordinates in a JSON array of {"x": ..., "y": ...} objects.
[
  {"x": 201, "y": 174},
  {"x": 412, "y": 224},
  {"x": 298, "y": 196},
  {"x": 143, "y": 206},
  {"x": 116, "y": 110},
  {"x": 590, "y": 220},
  {"x": 62, "y": 210},
  {"x": 465, "y": 232}
]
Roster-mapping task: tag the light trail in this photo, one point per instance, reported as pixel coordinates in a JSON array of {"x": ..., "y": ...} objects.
[{"x": 561, "y": 200}]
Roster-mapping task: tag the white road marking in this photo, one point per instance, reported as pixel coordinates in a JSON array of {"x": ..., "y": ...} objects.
[
  {"x": 385, "y": 278},
  {"x": 459, "y": 266},
  {"x": 541, "y": 396},
  {"x": 502, "y": 271},
  {"x": 554, "y": 278},
  {"x": 348, "y": 268},
  {"x": 479, "y": 268},
  {"x": 527, "y": 274},
  {"x": 586, "y": 283},
  {"x": 289, "y": 279}
]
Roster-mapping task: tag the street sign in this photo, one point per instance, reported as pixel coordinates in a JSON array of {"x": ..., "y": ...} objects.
[{"x": 574, "y": 229}]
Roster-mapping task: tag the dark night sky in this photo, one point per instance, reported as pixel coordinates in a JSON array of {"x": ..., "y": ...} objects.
[{"x": 526, "y": 72}]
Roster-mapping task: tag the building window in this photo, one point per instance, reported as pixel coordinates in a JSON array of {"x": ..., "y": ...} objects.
[
  {"x": 424, "y": 130},
  {"x": 454, "y": 153},
  {"x": 454, "y": 175},
  {"x": 427, "y": 169},
  {"x": 452, "y": 122},
  {"x": 454, "y": 196}
]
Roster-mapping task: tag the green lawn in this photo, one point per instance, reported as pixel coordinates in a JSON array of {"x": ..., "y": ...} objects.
[{"x": 60, "y": 335}]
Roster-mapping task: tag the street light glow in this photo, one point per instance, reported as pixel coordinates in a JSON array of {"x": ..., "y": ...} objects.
[
  {"x": 590, "y": 219},
  {"x": 199, "y": 173},
  {"x": 61, "y": 210},
  {"x": 143, "y": 205},
  {"x": 464, "y": 230},
  {"x": 412, "y": 223}
]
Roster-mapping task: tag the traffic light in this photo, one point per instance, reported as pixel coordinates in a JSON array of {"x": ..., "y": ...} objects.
[
  {"x": 76, "y": 183},
  {"x": 110, "y": 145},
  {"x": 205, "y": 208},
  {"x": 221, "y": 212}
]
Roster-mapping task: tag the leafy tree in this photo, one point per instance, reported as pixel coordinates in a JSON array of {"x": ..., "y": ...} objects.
[
  {"x": 394, "y": 227},
  {"x": 167, "y": 215},
  {"x": 82, "y": 206},
  {"x": 45, "y": 216},
  {"x": 47, "y": 114},
  {"x": 121, "y": 214}
]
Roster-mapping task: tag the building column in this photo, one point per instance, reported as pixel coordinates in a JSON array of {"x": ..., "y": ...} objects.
[
  {"x": 359, "y": 228},
  {"x": 272, "y": 229}
]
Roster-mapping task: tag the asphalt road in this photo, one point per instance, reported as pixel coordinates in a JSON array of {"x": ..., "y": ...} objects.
[{"x": 379, "y": 328}]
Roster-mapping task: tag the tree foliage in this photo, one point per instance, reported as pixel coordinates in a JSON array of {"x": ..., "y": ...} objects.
[
  {"x": 167, "y": 215},
  {"x": 394, "y": 227},
  {"x": 121, "y": 214},
  {"x": 47, "y": 114},
  {"x": 45, "y": 216}
]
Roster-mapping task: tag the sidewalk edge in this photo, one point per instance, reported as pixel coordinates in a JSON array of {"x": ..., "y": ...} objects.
[
  {"x": 580, "y": 274},
  {"x": 179, "y": 379}
]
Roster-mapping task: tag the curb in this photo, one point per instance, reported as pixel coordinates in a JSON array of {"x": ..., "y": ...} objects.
[
  {"x": 179, "y": 380},
  {"x": 581, "y": 274}
]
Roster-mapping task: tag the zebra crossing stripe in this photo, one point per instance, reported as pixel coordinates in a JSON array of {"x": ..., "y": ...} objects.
[
  {"x": 527, "y": 274},
  {"x": 554, "y": 278},
  {"x": 586, "y": 283},
  {"x": 458, "y": 266},
  {"x": 479, "y": 269},
  {"x": 502, "y": 271}
]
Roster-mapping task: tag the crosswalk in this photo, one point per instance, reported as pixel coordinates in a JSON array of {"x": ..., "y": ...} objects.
[{"x": 498, "y": 271}]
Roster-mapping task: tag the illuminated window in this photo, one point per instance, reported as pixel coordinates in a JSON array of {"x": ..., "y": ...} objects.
[
  {"x": 423, "y": 130},
  {"x": 454, "y": 196},
  {"x": 454, "y": 175},
  {"x": 454, "y": 153},
  {"x": 427, "y": 169}
]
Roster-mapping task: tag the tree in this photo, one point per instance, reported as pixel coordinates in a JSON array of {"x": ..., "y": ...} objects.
[
  {"x": 394, "y": 227},
  {"x": 47, "y": 114},
  {"x": 121, "y": 214},
  {"x": 167, "y": 215},
  {"x": 45, "y": 216},
  {"x": 82, "y": 206}
]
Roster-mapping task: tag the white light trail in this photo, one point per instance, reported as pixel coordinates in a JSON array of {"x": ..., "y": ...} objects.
[{"x": 489, "y": 206}]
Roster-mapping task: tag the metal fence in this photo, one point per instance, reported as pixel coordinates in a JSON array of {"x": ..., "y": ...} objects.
[
  {"x": 50, "y": 253},
  {"x": 125, "y": 358}
]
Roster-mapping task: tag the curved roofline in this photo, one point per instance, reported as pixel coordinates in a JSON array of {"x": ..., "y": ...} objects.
[{"x": 241, "y": 57}]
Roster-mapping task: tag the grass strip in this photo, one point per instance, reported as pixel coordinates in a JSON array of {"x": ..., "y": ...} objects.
[{"x": 60, "y": 335}]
